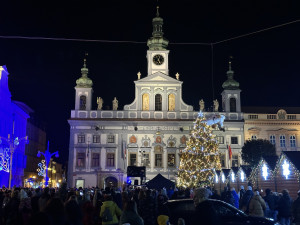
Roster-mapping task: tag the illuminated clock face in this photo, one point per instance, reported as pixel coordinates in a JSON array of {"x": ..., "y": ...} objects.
[{"x": 158, "y": 59}]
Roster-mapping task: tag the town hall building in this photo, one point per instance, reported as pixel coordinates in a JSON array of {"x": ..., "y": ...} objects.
[{"x": 151, "y": 131}]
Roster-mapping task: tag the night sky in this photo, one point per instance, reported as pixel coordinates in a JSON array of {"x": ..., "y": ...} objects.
[{"x": 43, "y": 72}]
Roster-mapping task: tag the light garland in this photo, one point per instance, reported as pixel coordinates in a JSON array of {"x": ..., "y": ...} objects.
[
  {"x": 4, "y": 160},
  {"x": 42, "y": 168}
]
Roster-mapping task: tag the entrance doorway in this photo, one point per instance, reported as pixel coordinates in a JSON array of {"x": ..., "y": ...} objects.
[{"x": 110, "y": 182}]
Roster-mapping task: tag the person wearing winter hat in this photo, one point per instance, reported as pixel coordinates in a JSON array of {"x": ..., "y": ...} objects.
[{"x": 163, "y": 220}]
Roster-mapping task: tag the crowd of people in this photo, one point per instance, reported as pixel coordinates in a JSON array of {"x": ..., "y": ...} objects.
[{"x": 133, "y": 206}]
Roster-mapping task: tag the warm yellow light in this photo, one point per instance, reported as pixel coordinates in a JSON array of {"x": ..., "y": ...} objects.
[
  {"x": 34, "y": 177},
  {"x": 59, "y": 181}
]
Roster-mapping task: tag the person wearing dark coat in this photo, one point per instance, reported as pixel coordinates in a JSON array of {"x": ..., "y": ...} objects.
[
  {"x": 246, "y": 200},
  {"x": 296, "y": 210},
  {"x": 147, "y": 209},
  {"x": 215, "y": 195},
  {"x": 284, "y": 208},
  {"x": 271, "y": 200},
  {"x": 228, "y": 197},
  {"x": 205, "y": 211},
  {"x": 130, "y": 214}
]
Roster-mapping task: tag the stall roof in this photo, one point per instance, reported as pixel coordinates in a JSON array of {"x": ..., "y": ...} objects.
[
  {"x": 226, "y": 172},
  {"x": 235, "y": 169},
  {"x": 271, "y": 160},
  {"x": 247, "y": 170},
  {"x": 294, "y": 157}
]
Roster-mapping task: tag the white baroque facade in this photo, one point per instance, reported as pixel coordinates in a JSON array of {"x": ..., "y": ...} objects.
[{"x": 150, "y": 131}]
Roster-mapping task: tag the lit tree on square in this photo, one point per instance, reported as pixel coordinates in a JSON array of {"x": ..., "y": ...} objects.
[{"x": 200, "y": 158}]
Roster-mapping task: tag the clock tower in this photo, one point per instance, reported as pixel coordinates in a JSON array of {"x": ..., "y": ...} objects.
[{"x": 157, "y": 55}]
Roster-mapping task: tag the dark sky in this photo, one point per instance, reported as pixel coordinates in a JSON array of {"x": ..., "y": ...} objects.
[{"x": 43, "y": 72}]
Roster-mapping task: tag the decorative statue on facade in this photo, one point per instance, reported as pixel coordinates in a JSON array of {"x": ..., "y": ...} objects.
[
  {"x": 201, "y": 104},
  {"x": 99, "y": 103},
  {"x": 177, "y": 76},
  {"x": 115, "y": 103},
  {"x": 139, "y": 75},
  {"x": 216, "y": 105}
]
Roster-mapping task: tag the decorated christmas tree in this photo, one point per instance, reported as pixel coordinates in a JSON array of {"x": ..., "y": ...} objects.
[{"x": 200, "y": 158}]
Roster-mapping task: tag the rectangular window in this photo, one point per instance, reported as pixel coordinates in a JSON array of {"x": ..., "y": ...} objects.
[
  {"x": 234, "y": 140},
  {"x": 110, "y": 159},
  {"x": 146, "y": 159},
  {"x": 80, "y": 161},
  {"x": 158, "y": 160},
  {"x": 95, "y": 159},
  {"x": 291, "y": 117},
  {"x": 79, "y": 183},
  {"x": 273, "y": 139},
  {"x": 220, "y": 139},
  {"x": 81, "y": 138},
  {"x": 271, "y": 117},
  {"x": 171, "y": 160},
  {"x": 132, "y": 159},
  {"x": 96, "y": 139},
  {"x": 252, "y": 117},
  {"x": 235, "y": 161},
  {"x": 292, "y": 141},
  {"x": 222, "y": 159},
  {"x": 282, "y": 141},
  {"x": 110, "y": 138}
]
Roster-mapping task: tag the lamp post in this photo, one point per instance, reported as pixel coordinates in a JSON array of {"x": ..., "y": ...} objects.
[
  {"x": 47, "y": 156},
  {"x": 13, "y": 144}
]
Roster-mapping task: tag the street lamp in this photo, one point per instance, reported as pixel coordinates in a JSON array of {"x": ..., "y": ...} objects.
[
  {"x": 13, "y": 144},
  {"x": 47, "y": 156}
]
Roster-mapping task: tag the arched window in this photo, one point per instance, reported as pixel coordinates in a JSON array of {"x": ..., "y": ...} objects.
[
  {"x": 82, "y": 103},
  {"x": 282, "y": 141},
  {"x": 158, "y": 102},
  {"x": 232, "y": 104},
  {"x": 145, "y": 104},
  {"x": 171, "y": 101},
  {"x": 273, "y": 139},
  {"x": 292, "y": 141}
]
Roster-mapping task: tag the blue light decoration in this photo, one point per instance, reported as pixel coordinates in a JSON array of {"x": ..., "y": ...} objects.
[
  {"x": 223, "y": 178},
  {"x": 42, "y": 168},
  {"x": 4, "y": 159},
  {"x": 47, "y": 156},
  {"x": 232, "y": 176},
  {"x": 286, "y": 169},
  {"x": 128, "y": 180},
  {"x": 242, "y": 176},
  {"x": 265, "y": 173},
  {"x": 216, "y": 178}
]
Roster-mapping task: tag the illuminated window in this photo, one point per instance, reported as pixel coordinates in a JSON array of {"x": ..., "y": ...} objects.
[
  {"x": 282, "y": 141},
  {"x": 96, "y": 139},
  {"x": 292, "y": 141},
  {"x": 158, "y": 160},
  {"x": 132, "y": 160},
  {"x": 171, "y": 160},
  {"x": 272, "y": 139},
  {"x": 158, "y": 102},
  {"x": 145, "y": 103},
  {"x": 232, "y": 103},
  {"x": 95, "y": 159},
  {"x": 80, "y": 161},
  {"x": 110, "y": 160},
  {"x": 253, "y": 137},
  {"x": 81, "y": 138},
  {"x": 82, "y": 102},
  {"x": 171, "y": 101}
]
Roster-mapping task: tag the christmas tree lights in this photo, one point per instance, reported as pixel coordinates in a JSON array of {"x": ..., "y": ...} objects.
[{"x": 200, "y": 158}]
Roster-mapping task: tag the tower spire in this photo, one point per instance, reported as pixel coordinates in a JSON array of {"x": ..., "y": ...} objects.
[
  {"x": 230, "y": 83},
  {"x": 157, "y": 41},
  {"x": 84, "y": 80}
]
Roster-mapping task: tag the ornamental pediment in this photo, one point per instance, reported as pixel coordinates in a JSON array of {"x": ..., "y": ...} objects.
[{"x": 158, "y": 77}]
